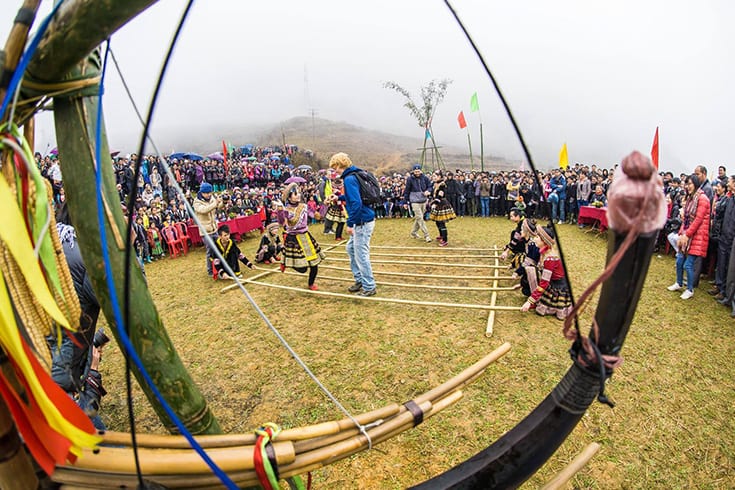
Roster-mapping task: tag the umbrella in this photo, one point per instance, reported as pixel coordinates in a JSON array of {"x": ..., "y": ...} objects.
[
  {"x": 276, "y": 154},
  {"x": 295, "y": 178},
  {"x": 193, "y": 156},
  {"x": 177, "y": 156},
  {"x": 114, "y": 153},
  {"x": 303, "y": 167},
  {"x": 251, "y": 158},
  {"x": 216, "y": 156},
  {"x": 54, "y": 151},
  {"x": 274, "y": 158}
]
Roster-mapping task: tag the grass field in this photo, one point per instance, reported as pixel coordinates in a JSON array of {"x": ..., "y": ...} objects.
[{"x": 673, "y": 425}]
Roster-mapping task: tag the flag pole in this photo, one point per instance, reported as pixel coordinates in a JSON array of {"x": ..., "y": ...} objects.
[
  {"x": 472, "y": 161},
  {"x": 482, "y": 149}
]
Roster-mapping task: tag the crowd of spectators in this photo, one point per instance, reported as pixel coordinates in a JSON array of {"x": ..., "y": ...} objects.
[{"x": 247, "y": 183}]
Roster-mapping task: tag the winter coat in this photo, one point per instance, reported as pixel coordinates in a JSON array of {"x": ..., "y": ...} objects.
[{"x": 696, "y": 225}]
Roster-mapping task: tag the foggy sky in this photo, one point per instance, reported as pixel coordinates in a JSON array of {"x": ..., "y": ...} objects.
[{"x": 598, "y": 76}]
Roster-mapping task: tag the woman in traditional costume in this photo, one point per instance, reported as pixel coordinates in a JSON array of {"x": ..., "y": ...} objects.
[
  {"x": 552, "y": 295},
  {"x": 301, "y": 250},
  {"x": 336, "y": 210},
  {"x": 441, "y": 210}
]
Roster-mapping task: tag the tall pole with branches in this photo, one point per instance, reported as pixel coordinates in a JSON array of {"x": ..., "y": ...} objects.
[{"x": 431, "y": 95}]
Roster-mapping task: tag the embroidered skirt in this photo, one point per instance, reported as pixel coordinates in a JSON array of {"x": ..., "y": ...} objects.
[
  {"x": 336, "y": 214},
  {"x": 301, "y": 251},
  {"x": 556, "y": 300},
  {"x": 443, "y": 211}
]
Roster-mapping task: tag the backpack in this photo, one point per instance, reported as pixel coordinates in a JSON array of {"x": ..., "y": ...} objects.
[{"x": 369, "y": 188}]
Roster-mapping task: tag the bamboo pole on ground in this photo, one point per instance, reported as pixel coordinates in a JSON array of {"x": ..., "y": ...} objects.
[
  {"x": 424, "y": 276},
  {"x": 560, "y": 480},
  {"x": 493, "y": 299},
  {"x": 446, "y": 249},
  {"x": 469, "y": 306},
  {"x": 435, "y": 256},
  {"x": 440, "y": 264}
]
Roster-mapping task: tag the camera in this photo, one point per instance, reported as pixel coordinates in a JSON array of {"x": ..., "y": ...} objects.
[{"x": 100, "y": 338}]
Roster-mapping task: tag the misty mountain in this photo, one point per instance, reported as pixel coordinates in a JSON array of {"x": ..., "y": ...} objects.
[{"x": 374, "y": 150}]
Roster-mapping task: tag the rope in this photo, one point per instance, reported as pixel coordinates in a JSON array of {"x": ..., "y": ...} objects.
[{"x": 208, "y": 241}]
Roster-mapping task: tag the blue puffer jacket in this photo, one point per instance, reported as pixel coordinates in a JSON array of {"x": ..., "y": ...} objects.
[
  {"x": 559, "y": 184},
  {"x": 357, "y": 212}
]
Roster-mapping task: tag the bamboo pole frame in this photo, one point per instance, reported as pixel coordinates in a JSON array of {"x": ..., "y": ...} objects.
[
  {"x": 446, "y": 249},
  {"x": 436, "y": 256},
  {"x": 388, "y": 300},
  {"x": 423, "y": 276},
  {"x": 439, "y": 264},
  {"x": 311, "y": 448},
  {"x": 379, "y": 283},
  {"x": 493, "y": 300}
]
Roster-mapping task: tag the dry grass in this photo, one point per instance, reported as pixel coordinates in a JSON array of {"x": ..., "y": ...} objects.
[{"x": 672, "y": 427}]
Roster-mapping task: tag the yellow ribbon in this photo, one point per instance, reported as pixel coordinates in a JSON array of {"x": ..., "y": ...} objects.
[
  {"x": 12, "y": 344},
  {"x": 14, "y": 234}
]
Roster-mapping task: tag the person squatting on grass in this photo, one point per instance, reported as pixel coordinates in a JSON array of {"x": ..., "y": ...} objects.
[
  {"x": 231, "y": 253},
  {"x": 527, "y": 269},
  {"x": 515, "y": 249},
  {"x": 552, "y": 295},
  {"x": 360, "y": 226},
  {"x": 270, "y": 245},
  {"x": 301, "y": 250}
]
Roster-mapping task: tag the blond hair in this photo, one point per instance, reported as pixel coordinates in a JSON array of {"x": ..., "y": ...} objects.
[{"x": 340, "y": 160}]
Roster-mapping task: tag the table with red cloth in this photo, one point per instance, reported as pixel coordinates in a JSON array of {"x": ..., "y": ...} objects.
[
  {"x": 590, "y": 215},
  {"x": 238, "y": 226}
]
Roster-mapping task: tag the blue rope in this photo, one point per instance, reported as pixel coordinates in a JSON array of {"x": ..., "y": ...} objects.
[
  {"x": 129, "y": 349},
  {"x": 26, "y": 59}
]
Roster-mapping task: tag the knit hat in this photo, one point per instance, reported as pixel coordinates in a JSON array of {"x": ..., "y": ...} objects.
[
  {"x": 416, "y": 166},
  {"x": 205, "y": 187}
]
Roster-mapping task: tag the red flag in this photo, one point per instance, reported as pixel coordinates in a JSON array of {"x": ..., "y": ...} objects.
[
  {"x": 654, "y": 150},
  {"x": 224, "y": 154},
  {"x": 461, "y": 121}
]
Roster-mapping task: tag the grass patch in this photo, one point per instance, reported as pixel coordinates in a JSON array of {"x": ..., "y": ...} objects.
[{"x": 672, "y": 426}]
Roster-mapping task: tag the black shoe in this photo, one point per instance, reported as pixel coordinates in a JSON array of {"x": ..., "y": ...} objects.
[
  {"x": 724, "y": 302},
  {"x": 365, "y": 293},
  {"x": 714, "y": 292},
  {"x": 355, "y": 287}
]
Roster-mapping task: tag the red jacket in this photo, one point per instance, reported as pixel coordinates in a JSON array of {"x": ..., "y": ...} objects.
[{"x": 698, "y": 227}]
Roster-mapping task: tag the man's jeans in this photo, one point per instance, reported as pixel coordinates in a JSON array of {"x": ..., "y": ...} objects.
[
  {"x": 358, "y": 249},
  {"x": 557, "y": 210}
]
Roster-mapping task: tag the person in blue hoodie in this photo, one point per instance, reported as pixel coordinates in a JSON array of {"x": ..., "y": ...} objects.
[{"x": 360, "y": 226}]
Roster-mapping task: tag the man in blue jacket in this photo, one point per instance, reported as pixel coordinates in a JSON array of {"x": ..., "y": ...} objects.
[
  {"x": 557, "y": 196},
  {"x": 360, "y": 226}
]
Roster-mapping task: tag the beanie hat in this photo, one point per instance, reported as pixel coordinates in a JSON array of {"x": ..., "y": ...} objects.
[
  {"x": 416, "y": 166},
  {"x": 205, "y": 187}
]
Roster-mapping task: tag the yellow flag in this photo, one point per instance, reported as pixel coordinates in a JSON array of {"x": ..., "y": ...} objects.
[{"x": 563, "y": 157}]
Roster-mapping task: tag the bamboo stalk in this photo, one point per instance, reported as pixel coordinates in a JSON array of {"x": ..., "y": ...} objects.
[
  {"x": 493, "y": 299},
  {"x": 440, "y": 264},
  {"x": 469, "y": 306},
  {"x": 177, "y": 461},
  {"x": 560, "y": 480},
  {"x": 437, "y": 256},
  {"x": 491, "y": 249},
  {"x": 425, "y": 276},
  {"x": 76, "y": 126},
  {"x": 16, "y": 42},
  {"x": 249, "y": 279},
  {"x": 229, "y": 440}
]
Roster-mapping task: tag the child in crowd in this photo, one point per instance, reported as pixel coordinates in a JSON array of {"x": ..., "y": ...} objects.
[
  {"x": 552, "y": 295},
  {"x": 231, "y": 253},
  {"x": 270, "y": 245},
  {"x": 154, "y": 241}
]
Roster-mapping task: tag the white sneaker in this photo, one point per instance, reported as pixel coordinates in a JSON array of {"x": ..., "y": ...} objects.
[
  {"x": 687, "y": 294},
  {"x": 675, "y": 287}
]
